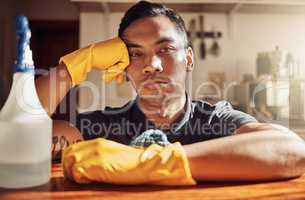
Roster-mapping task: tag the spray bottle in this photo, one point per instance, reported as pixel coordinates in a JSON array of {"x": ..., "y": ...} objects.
[{"x": 25, "y": 127}]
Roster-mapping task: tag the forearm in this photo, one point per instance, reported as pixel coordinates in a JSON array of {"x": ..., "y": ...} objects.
[
  {"x": 64, "y": 134},
  {"x": 53, "y": 87},
  {"x": 261, "y": 155}
]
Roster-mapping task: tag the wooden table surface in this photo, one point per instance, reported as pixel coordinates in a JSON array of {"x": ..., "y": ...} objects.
[{"x": 59, "y": 188}]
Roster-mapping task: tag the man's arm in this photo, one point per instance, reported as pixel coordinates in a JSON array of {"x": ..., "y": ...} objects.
[
  {"x": 109, "y": 54},
  {"x": 64, "y": 134},
  {"x": 261, "y": 152},
  {"x": 53, "y": 87}
]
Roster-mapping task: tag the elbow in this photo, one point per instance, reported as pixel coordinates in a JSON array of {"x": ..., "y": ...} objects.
[
  {"x": 294, "y": 161},
  {"x": 292, "y": 171}
]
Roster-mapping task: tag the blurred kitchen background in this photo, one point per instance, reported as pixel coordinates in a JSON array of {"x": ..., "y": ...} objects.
[{"x": 249, "y": 52}]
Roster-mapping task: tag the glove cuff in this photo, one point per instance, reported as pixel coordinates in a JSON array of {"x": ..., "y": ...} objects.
[
  {"x": 78, "y": 64},
  {"x": 176, "y": 168},
  {"x": 187, "y": 179}
]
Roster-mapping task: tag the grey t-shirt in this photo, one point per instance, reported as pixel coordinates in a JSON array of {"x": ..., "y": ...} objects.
[{"x": 201, "y": 121}]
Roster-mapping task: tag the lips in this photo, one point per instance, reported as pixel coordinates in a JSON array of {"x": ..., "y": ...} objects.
[{"x": 155, "y": 84}]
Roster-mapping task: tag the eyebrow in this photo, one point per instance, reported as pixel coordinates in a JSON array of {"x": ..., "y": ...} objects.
[{"x": 130, "y": 44}]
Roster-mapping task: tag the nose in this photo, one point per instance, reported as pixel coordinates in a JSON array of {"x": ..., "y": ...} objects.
[{"x": 153, "y": 66}]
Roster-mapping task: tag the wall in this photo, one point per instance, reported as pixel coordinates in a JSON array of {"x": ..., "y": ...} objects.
[
  {"x": 49, "y": 9},
  {"x": 34, "y": 10},
  {"x": 7, "y": 51},
  {"x": 251, "y": 33}
]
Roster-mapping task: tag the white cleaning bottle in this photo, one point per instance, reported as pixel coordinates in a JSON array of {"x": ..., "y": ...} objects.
[{"x": 25, "y": 127}]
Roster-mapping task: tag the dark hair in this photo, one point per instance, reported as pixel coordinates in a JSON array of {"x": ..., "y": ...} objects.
[{"x": 144, "y": 9}]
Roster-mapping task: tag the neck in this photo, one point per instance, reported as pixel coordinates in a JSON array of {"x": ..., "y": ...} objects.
[{"x": 165, "y": 112}]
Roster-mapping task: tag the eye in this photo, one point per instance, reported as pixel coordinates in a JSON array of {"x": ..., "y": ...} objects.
[
  {"x": 134, "y": 54},
  {"x": 166, "y": 50}
]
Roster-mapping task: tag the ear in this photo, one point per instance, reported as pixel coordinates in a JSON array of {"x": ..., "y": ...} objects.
[{"x": 189, "y": 59}]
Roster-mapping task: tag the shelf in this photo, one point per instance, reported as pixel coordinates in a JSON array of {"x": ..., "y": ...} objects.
[
  {"x": 207, "y": 6},
  {"x": 262, "y": 2}
]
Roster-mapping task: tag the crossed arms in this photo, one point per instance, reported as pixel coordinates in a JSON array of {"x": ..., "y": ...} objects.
[
  {"x": 257, "y": 151},
  {"x": 268, "y": 153}
]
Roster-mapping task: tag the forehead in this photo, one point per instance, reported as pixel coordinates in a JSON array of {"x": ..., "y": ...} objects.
[{"x": 152, "y": 28}]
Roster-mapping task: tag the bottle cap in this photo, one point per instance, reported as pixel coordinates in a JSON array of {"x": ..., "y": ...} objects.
[{"x": 24, "y": 62}]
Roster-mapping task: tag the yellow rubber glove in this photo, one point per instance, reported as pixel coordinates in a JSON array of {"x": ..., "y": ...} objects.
[
  {"x": 110, "y": 55},
  {"x": 102, "y": 160}
]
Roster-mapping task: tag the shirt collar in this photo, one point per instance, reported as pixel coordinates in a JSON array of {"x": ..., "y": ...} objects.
[{"x": 185, "y": 117}]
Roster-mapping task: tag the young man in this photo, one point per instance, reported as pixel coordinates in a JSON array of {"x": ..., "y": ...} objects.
[{"x": 156, "y": 62}]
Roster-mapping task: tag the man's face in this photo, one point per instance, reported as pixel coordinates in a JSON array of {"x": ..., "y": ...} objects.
[{"x": 159, "y": 60}]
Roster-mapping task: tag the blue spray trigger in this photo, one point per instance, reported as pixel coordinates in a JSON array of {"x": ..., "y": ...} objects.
[{"x": 24, "y": 62}]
